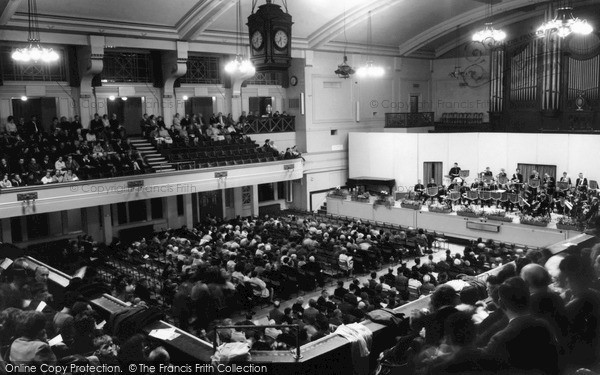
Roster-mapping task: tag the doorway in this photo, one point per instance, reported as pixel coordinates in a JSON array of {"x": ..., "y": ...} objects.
[
  {"x": 432, "y": 169},
  {"x": 129, "y": 112},
  {"x": 260, "y": 103},
  {"x": 414, "y": 103},
  {"x": 200, "y": 104},
  {"x": 43, "y": 108},
  {"x": 210, "y": 203}
]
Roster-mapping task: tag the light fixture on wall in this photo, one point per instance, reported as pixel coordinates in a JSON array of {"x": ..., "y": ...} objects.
[
  {"x": 240, "y": 66},
  {"x": 24, "y": 98},
  {"x": 370, "y": 69},
  {"x": 34, "y": 51},
  {"x": 111, "y": 98},
  {"x": 489, "y": 35},
  {"x": 564, "y": 24},
  {"x": 457, "y": 73},
  {"x": 124, "y": 98}
]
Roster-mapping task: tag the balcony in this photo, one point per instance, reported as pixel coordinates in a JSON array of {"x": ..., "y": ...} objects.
[{"x": 70, "y": 195}]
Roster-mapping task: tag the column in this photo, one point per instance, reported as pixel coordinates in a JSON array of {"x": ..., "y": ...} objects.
[
  {"x": 188, "y": 208},
  {"x": 89, "y": 59},
  {"x": 6, "y": 230},
  {"x": 107, "y": 223},
  {"x": 255, "y": 200},
  {"x": 174, "y": 66}
]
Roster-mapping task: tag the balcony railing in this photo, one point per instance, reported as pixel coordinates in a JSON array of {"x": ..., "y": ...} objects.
[
  {"x": 272, "y": 125},
  {"x": 408, "y": 119}
]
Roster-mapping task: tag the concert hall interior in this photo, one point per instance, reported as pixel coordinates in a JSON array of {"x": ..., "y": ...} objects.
[{"x": 369, "y": 187}]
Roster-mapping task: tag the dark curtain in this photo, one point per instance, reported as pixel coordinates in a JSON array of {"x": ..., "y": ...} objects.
[
  {"x": 527, "y": 169},
  {"x": 432, "y": 169}
]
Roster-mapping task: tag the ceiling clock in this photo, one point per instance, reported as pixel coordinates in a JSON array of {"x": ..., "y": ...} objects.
[
  {"x": 257, "y": 40},
  {"x": 270, "y": 34},
  {"x": 281, "y": 39}
]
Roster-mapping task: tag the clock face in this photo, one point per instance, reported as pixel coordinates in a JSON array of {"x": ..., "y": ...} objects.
[
  {"x": 281, "y": 39},
  {"x": 257, "y": 40},
  {"x": 293, "y": 81}
]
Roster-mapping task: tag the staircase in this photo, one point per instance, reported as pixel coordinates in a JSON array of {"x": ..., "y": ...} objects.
[
  {"x": 151, "y": 155},
  {"x": 323, "y": 209}
]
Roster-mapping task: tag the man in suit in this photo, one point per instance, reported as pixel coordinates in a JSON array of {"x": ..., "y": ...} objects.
[
  {"x": 565, "y": 178},
  {"x": 33, "y": 127},
  {"x": 454, "y": 171},
  {"x": 581, "y": 183},
  {"x": 526, "y": 343}
]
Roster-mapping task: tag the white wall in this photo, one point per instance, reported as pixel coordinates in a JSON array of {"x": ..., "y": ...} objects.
[
  {"x": 450, "y": 96},
  {"x": 401, "y": 156}
]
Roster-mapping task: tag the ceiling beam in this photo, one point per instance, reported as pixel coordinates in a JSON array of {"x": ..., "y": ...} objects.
[
  {"x": 201, "y": 16},
  {"x": 351, "y": 18},
  {"x": 9, "y": 10},
  {"x": 467, "y": 18}
]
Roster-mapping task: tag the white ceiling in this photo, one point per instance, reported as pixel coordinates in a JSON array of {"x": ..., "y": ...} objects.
[{"x": 399, "y": 27}]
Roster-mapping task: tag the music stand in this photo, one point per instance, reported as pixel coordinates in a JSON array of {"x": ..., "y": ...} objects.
[
  {"x": 562, "y": 185},
  {"x": 534, "y": 183},
  {"x": 593, "y": 184},
  {"x": 464, "y": 173}
]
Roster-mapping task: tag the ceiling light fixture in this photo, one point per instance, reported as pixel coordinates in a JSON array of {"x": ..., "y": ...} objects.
[
  {"x": 34, "y": 51},
  {"x": 344, "y": 70},
  {"x": 240, "y": 66},
  {"x": 564, "y": 24},
  {"x": 489, "y": 35},
  {"x": 370, "y": 69}
]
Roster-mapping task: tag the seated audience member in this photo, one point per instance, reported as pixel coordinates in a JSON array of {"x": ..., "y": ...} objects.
[
  {"x": 527, "y": 343},
  {"x": 31, "y": 346},
  {"x": 582, "y": 310}
]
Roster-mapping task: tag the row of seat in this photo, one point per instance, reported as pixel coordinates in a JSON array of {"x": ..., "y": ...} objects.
[{"x": 462, "y": 118}]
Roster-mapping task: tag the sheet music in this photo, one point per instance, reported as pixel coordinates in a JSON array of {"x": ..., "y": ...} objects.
[
  {"x": 41, "y": 306},
  {"x": 7, "y": 262},
  {"x": 55, "y": 340}
]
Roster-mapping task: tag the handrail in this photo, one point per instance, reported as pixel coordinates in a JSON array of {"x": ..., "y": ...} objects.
[
  {"x": 408, "y": 119},
  {"x": 271, "y": 125},
  {"x": 298, "y": 356}
]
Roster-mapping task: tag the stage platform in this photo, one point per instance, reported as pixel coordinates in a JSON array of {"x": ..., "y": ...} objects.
[{"x": 451, "y": 224}]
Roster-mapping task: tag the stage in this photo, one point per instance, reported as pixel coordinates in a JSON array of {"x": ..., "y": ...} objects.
[{"x": 451, "y": 224}]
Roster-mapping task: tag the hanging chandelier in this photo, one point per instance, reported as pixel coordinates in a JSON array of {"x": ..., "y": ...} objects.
[
  {"x": 240, "y": 66},
  {"x": 370, "y": 69},
  {"x": 489, "y": 35},
  {"x": 564, "y": 24},
  {"x": 344, "y": 70},
  {"x": 34, "y": 51}
]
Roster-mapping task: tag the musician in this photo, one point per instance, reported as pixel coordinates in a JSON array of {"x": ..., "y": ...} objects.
[
  {"x": 502, "y": 174},
  {"x": 419, "y": 188},
  {"x": 535, "y": 175},
  {"x": 476, "y": 184},
  {"x": 566, "y": 178},
  {"x": 592, "y": 212},
  {"x": 487, "y": 172},
  {"x": 549, "y": 183},
  {"x": 454, "y": 171},
  {"x": 541, "y": 206},
  {"x": 429, "y": 185},
  {"x": 561, "y": 206},
  {"x": 517, "y": 177},
  {"x": 581, "y": 183}
]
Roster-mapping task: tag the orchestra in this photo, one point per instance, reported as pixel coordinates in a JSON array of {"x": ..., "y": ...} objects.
[{"x": 538, "y": 196}]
